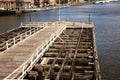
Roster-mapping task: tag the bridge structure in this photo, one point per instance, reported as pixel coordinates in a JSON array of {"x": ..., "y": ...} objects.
[{"x": 20, "y": 54}]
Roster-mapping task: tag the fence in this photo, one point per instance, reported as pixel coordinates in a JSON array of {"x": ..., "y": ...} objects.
[{"x": 20, "y": 72}]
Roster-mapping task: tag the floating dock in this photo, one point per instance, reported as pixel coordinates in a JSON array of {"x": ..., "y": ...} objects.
[{"x": 55, "y": 51}]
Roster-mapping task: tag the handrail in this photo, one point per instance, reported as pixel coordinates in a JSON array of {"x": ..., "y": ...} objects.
[
  {"x": 18, "y": 38},
  {"x": 21, "y": 24},
  {"x": 36, "y": 23},
  {"x": 41, "y": 25},
  {"x": 39, "y": 52},
  {"x": 22, "y": 70}
]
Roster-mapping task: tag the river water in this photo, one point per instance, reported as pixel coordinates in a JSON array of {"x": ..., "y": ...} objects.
[{"x": 106, "y": 18}]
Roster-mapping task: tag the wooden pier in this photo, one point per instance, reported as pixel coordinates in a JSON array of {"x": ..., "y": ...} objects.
[{"x": 56, "y": 51}]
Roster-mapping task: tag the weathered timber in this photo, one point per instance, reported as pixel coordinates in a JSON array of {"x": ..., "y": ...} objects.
[{"x": 67, "y": 51}]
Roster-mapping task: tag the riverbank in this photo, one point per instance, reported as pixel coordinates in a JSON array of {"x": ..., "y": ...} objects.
[
  {"x": 13, "y": 12},
  {"x": 42, "y": 9}
]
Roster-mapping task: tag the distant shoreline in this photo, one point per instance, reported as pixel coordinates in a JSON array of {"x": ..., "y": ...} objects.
[{"x": 14, "y": 12}]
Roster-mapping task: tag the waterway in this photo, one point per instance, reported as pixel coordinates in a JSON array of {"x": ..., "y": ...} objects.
[{"x": 106, "y": 18}]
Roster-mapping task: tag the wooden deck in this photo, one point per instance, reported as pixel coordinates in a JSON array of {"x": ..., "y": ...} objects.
[
  {"x": 16, "y": 60},
  {"x": 15, "y": 56}
]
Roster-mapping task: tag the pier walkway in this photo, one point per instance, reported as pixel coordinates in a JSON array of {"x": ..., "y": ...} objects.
[
  {"x": 19, "y": 59},
  {"x": 22, "y": 52}
]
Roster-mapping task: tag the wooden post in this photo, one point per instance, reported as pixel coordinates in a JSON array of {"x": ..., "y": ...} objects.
[
  {"x": 25, "y": 34},
  {"x": 14, "y": 41},
  {"x": 32, "y": 75},
  {"x": 7, "y": 45},
  {"x": 60, "y": 71},
  {"x": 20, "y": 37}
]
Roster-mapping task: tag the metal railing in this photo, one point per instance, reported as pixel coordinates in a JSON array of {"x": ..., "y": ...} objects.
[
  {"x": 34, "y": 24},
  {"x": 21, "y": 71},
  {"x": 12, "y": 41}
]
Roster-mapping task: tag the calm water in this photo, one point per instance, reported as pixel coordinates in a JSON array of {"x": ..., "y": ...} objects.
[{"x": 106, "y": 18}]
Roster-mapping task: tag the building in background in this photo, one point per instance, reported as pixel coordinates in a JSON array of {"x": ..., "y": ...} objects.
[
  {"x": 21, "y": 4},
  {"x": 7, "y": 4},
  {"x": 52, "y": 2},
  {"x": 16, "y": 4},
  {"x": 43, "y": 3},
  {"x": 28, "y": 3},
  {"x": 37, "y": 3},
  {"x": 40, "y": 3}
]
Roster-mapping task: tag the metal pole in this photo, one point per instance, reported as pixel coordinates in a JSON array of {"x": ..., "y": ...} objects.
[
  {"x": 59, "y": 10},
  {"x": 89, "y": 18},
  {"x": 76, "y": 1},
  {"x": 29, "y": 17}
]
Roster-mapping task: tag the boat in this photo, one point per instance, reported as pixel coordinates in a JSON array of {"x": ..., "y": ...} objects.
[{"x": 7, "y": 12}]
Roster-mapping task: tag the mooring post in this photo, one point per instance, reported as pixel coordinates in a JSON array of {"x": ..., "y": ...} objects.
[
  {"x": 7, "y": 45},
  {"x": 14, "y": 40}
]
